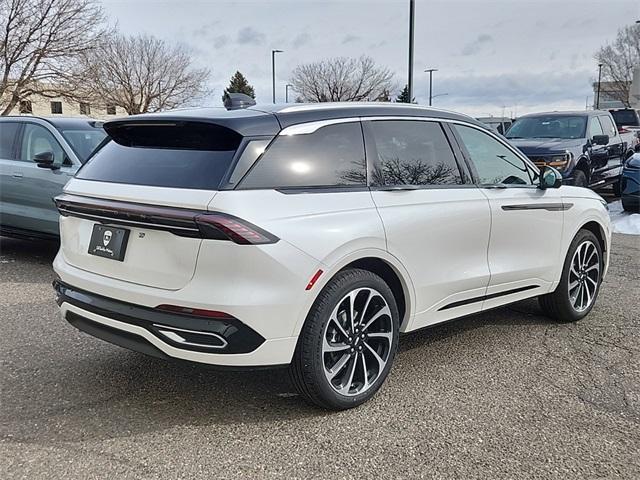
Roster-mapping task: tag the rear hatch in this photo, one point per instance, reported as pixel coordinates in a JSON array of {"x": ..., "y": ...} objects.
[{"x": 130, "y": 213}]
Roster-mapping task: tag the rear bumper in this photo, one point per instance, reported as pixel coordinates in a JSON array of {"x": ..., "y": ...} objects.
[{"x": 223, "y": 342}]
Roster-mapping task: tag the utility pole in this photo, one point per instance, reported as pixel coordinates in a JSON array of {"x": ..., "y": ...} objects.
[
  {"x": 412, "y": 14},
  {"x": 273, "y": 72},
  {"x": 430, "y": 71},
  {"x": 599, "y": 82}
]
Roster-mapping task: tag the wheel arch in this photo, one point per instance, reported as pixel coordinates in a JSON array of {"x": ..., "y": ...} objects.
[{"x": 380, "y": 262}]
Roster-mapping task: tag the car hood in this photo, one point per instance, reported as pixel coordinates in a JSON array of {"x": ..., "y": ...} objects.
[{"x": 542, "y": 146}]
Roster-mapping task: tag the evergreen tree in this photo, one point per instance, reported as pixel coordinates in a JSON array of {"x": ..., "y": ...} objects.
[
  {"x": 404, "y": 96},
  {"x": 238, "y": 84}
]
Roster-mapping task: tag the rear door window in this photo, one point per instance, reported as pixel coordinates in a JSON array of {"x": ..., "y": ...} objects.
[
  {"x": 186, "y": 155},
  {"x": 595, "y": 128},
  {"x": 332, "y": 156},
  {"x": 8, "y": 140},
  {"x": 608, "y": 127},
  {"x": 413, "y": 153}
]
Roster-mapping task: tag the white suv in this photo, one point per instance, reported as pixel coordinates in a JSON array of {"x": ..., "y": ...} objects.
[{"x": 312, "y": 235}]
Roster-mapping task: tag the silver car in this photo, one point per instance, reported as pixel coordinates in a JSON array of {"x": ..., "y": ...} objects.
[{"x": 37, "y": 158}]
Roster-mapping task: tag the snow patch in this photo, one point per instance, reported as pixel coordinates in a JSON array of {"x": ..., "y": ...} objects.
[{"x": 623, "y": 222}]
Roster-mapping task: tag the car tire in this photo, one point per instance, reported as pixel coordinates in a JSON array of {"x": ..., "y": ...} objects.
[
  {"x": 617, "y": 189},
  {"x": 576, "y": 294},
  {"x": 580, "y": 179},
  {"x": 320, "y": 373}
]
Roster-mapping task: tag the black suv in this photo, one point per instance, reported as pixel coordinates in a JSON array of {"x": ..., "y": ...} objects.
[{"x": 585, "y": 146}]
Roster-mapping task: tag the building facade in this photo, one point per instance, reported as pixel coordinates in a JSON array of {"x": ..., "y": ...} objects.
[{"x": 51, "y": 107}]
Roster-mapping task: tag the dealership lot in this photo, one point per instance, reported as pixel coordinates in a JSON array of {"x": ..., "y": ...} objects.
[{"x": 505, "y": 394}]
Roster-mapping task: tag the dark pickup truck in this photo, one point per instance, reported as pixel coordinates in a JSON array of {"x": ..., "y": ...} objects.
[{"x": 585, "y": 146}]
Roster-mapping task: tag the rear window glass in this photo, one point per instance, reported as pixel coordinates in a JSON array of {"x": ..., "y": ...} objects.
[
  {"x": 188, "y": 155},
  {"x": 332, "y": 156},
  {"x": 625, "y": 118}
]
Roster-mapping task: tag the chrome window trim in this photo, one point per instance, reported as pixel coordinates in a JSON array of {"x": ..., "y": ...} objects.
[{"x": 311, "y": 127}]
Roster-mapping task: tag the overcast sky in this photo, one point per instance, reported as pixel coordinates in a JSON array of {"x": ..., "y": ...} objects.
[{"x": 523, "y": 55}]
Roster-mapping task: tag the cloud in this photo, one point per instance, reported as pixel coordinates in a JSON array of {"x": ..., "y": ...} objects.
[
  {"x": 251, "y": 36},
  {"x": 301, "y": 39},
  {"x": 220, "y": 41},
  {"x": 478, "y": 45},
  {"x": 350, "y": 39}
]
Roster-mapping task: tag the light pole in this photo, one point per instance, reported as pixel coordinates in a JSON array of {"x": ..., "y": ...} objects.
[
  {"x": 439, "y": 95},
  {"x": 430, "y": 71},
  {"x": 412, "y": 14},
  {"x": 599, "y": 81},
  {"x": 286, "y": 92},
  {"x": 273, "y": 72}
]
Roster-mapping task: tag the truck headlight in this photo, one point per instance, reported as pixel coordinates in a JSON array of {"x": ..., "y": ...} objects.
[{"x": 560, "y": 161}]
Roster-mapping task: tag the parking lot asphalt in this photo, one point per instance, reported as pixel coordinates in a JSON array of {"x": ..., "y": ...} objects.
[{"x": 504, "y": 394}]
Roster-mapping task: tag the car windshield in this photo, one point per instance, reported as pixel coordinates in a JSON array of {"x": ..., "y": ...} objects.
[
  {"x": 550, "y": 126},
  {"x": 84, "y": 140}
]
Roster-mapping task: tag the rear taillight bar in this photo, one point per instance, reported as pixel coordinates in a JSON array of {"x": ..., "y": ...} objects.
[{"x": 179, "y": 221}]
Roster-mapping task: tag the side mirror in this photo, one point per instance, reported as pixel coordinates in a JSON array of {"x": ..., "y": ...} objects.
[
  {"x": 46, "y": 160},
  {"x": 550, "y": 178},
  {"x": 600, "y": 140}
]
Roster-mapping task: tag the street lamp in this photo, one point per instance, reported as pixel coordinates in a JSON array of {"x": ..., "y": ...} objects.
[
  {"x": 412, "y": 14},
  {"x": 273, "y": 72},
  {"x": 430, "y": 71},
  {"x": 439, "y": 95},
  {"x": 599, "y": 82},
  {"x": 286, "y": 92}
]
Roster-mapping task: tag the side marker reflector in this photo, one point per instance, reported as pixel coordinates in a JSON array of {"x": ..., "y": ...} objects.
[{"x": 313, "y": 280}]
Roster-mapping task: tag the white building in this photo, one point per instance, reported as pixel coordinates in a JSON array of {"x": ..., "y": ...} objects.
[{"x": 49, "y": 107}]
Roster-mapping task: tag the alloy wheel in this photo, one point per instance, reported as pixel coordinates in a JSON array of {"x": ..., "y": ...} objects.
[
  {"x": 584, "y": 276},
  {"x": 357, "y": 341}
]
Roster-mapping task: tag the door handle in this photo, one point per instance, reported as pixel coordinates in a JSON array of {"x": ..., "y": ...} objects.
[{"x": 16, "y": 174}]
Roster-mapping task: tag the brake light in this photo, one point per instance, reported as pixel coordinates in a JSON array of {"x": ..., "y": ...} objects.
[
  {"x": 221, "y": 226},
  {"x": 194, "y": 312},
  {"x": 623, "y": 130}
]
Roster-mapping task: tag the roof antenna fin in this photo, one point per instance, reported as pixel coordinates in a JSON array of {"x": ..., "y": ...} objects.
[{"x": 236, "y": 101}]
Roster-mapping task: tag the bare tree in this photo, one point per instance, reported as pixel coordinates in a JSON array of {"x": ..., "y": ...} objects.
[
  {"x": 341, "y": 79},
  {"x": 141, "y": 74},
  {"x": 40, "y": 43},
  {"x": 618, "y": 61}
]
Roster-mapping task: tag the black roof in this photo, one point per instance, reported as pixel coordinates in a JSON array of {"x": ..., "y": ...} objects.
[{"x": 270, "y": 119}]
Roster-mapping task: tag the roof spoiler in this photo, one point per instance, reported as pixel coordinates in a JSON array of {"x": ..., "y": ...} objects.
[{"x": 236, "y": 101}]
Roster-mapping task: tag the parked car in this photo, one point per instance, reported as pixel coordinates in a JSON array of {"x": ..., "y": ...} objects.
[
  {"x": 585, "y": 146},
  {"x": 626, "y": 118},
  {"x": 312, "y": 235},
  {"x": 37, "y": 158},
  {"x": 631, "y": 184},
  {"x": 496, "y": 124}
]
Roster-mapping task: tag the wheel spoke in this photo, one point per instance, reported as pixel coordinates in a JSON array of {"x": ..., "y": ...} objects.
[
  {"x": 338, "y": 366},
  {"x": 595, "y": 266},
  {"x": 352, "y": 309},
  {"x": 595, "y": 284},
  {"x": 586, "y": 290},
  {"x": 573, "y": 285},
  {"x": 340, "y": 327},
  {"x": 380, "y": 361},
  {"x": 388, "y": 336},
  {"x": 593, "y": 252},
  {"x": 334, "y": 347},
  {"x": 365, "y": 373},
  {"x": 383, "y": 311},
  {"x": 351, "y": 369},
  {"x": 364, "y": 309}
]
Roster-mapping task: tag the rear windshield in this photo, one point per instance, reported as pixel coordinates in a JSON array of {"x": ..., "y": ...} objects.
[
  {"x": 186, "y": 155},
  {"x": 625, "y": 118}
]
